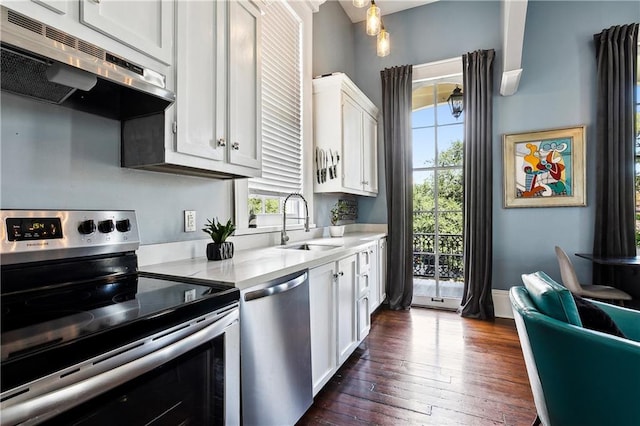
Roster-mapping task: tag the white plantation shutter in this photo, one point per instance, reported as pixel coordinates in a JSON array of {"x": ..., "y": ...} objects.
[{"x": 281, "y": 102}]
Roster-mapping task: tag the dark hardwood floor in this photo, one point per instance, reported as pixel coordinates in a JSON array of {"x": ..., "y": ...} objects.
[{"x": 429, "y": 367}]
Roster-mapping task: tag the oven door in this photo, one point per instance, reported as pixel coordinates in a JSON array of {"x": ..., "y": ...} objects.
[{"x": 194, "y": 380}]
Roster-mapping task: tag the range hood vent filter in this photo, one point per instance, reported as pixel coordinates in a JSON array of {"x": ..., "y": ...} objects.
[{"x": 16, "y": 67}]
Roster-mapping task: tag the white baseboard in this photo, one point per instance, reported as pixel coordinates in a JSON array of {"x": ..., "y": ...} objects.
[{"x": 502, "y": 304}]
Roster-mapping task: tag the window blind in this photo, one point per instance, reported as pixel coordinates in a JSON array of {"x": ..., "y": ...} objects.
[{"x": 281, "y": 102}]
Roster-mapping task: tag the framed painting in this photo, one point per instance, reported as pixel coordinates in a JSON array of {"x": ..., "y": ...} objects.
[{"x": 545, "y": 168}]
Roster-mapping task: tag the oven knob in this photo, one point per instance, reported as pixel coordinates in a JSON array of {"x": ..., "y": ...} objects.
[
  {"x": 123, "y": 225},
  {"x": 87, "y": 227},
  {"x": 105, "y": 226}
]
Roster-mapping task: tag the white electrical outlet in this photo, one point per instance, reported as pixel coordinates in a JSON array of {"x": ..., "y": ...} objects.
[{"x": 189, "y": 221}]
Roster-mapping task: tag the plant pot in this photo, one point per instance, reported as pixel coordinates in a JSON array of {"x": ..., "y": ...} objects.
[
  {"x": 336, "y": 230},
  {"x": 220, "y": 251}
]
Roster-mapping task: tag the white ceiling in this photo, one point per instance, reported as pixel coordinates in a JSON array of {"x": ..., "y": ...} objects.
[{"x": 386, "y": 7}]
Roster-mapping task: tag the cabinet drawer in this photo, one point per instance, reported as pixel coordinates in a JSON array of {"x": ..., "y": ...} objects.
[
  {"x": 364, "y": 282},
  {"x": 364, "y": 260}
]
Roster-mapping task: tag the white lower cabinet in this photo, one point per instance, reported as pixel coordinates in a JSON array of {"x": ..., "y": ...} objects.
[
  {"x": 322, "y": 294},
  {"x": 333, "y": 310},
  {"x": 382, "y": 270},
  {"x": 364, "y": 317},
  {"x": 346, "y": 319}
]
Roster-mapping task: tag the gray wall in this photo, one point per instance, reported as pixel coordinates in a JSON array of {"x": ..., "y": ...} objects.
[
  {"x": 56, "y": 158},
  {"x": 333, "y": 47},
  {"x": 556, "y": 90}
]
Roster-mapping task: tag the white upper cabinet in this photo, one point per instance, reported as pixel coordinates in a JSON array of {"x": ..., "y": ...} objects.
[
  {"x": 146, "y": 26},
  {"x": 244, "y": 84},
  {"x": 198, "y": 108},
  {"x": 139, "y": 31},
  {"x": 345, "y": 123},
  {"x": 216, "y": 126}
]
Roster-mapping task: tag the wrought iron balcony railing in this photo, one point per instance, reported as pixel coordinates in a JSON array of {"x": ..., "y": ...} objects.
[{"x": 450, "y": 263}]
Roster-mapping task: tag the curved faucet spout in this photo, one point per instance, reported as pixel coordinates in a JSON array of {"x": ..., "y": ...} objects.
[{"x": 283, "y": 234}]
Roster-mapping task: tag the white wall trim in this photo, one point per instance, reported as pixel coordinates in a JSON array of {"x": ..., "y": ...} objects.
[
  {"x": 439, "y": 69},
  {"x": 502, "y": 304}
]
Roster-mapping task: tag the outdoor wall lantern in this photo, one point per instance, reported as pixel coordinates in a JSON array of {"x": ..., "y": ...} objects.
[{"x": 455, "y": 102}]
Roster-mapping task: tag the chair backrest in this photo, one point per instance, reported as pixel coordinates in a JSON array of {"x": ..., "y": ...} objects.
[
  {"x": 550, "y": 298},
  {"x": 568, "y": 274}
]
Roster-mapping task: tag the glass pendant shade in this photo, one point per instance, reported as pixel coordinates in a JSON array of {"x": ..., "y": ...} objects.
[
  {"x": 360, "y": 3},
  {"x": 455, "y": 102},
  {"x": 373, "y": 20},
  {"x": 383, "y": 47}
]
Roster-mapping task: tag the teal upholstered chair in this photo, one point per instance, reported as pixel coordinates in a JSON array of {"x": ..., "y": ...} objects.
[{"x": 578, "y": 376}]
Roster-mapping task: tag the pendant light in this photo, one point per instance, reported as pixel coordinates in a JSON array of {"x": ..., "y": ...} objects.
[
  {"x": 455, "y": 102},
  {"x": 382, "y": 46},
  {"x": 373, "y": 19},
  {"x": 360, "y": 3}
]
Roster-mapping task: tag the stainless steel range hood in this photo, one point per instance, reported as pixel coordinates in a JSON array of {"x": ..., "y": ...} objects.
[{"x": 47, "y": 64}]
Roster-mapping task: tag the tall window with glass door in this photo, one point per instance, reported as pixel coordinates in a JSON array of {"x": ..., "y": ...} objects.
[{"x": 438, "y": 134}]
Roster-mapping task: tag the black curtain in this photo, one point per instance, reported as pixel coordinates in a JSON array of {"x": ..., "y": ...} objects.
[
  {"x": 477, "y": 301},
  {"x": 396, "y": 116},
  {"x": 616, "y": 54}
]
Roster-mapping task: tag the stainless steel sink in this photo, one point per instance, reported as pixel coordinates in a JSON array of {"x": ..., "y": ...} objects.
[{"x": 310, "y": 247}]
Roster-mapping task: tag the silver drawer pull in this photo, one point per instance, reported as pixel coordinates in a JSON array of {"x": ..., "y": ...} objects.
[
  {"x": 235, "y": 146},
  {"x": 222, "y": 142}
]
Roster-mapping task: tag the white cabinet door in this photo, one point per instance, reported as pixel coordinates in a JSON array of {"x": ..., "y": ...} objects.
[
  {"x": 382, "y": 269},
  {"x": 351, "y": 144},
  {"x": 369, "y": 153},
  {"x": 364, "y": 317},
  {"x": 146, "y": 26},
  {"x": 323, "y": 324},
  {"x": 374, "y": 277},
  {"x": 244, "y": 84},
  {"x": 198, "y": 99},
  {"x": 61, "y": 7},
  {"x": 347, "y": 315}
]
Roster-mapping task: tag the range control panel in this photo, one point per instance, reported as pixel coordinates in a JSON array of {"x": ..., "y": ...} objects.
[{"x": 33, "y": 235}]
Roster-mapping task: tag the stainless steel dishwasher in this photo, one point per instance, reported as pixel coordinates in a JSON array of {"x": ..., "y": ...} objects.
[{"x": 275, "y": 351}]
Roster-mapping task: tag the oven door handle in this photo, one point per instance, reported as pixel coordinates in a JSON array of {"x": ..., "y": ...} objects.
[{"x": 43, "y": 407}]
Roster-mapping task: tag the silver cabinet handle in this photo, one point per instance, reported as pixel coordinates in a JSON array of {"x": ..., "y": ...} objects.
[
  {"x": 235, "y": 146},
  {"x": 339, "y": 274},
  {"x": 276, "y": 289},
  {"x": 222, "y": 142}
]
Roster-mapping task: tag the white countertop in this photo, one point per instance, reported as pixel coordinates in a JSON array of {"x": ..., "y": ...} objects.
[{"x": 254, "y": 266}]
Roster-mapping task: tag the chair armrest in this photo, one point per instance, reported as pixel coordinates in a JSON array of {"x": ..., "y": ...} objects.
[{"x": 627, "y": 320}]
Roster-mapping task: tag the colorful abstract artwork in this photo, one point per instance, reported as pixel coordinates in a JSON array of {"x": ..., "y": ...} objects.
[{"x": 545, "y": 168}]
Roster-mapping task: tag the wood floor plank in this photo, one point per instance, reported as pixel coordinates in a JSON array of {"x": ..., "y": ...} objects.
[{"x": 429, "y": 367}]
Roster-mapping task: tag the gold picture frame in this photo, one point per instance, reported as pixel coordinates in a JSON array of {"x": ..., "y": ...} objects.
[{"x": 545, "y": 168}]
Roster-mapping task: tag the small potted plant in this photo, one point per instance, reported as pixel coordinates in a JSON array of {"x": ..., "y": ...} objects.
[
  {"x": 339, "y": 211},
  {"x": 220, "y": 248}
]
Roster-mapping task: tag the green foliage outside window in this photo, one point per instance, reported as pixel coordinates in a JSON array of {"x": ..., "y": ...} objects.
[
  {"x": 259, "y": 205},
  {"x": 272, "y": 205},
  {"x": 449, "y": 196}
]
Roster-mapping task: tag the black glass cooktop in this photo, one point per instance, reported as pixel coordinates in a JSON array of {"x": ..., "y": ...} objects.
[{"x": 49, "y": 330}]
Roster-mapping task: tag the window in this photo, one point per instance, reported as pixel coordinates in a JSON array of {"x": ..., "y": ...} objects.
[
  {"x": 284, "y": 128},
  {"x": 437, "y": 188}
]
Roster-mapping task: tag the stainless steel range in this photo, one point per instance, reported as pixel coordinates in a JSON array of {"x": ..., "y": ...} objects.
[{"x": 86, "y": 339}]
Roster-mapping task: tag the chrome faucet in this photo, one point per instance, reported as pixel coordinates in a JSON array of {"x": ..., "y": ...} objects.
[{"x": 283, "y": 234}]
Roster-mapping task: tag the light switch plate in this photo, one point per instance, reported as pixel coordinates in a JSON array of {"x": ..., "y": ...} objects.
[{"x": 189, "y": 221}]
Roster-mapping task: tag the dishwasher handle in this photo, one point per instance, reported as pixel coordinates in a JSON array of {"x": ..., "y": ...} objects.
[{"x": 276, "y": 289}]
